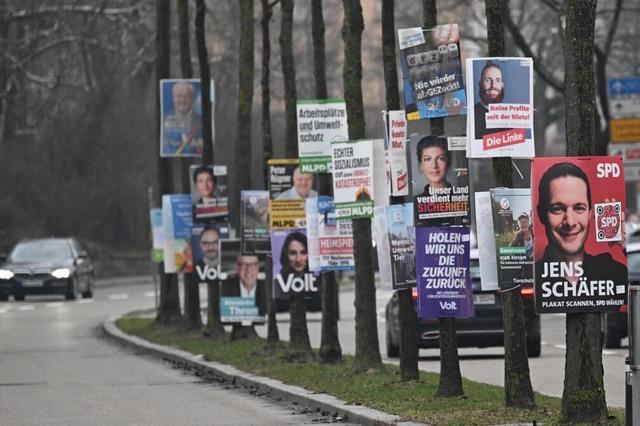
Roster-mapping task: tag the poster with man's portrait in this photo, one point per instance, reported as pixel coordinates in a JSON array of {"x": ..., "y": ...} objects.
[
  {"x": 205, "y": 247},
  {"x": 579, "y": 213},
  {"x": 291, "y": 273},
  {"x": 432, "y": 72},
  {"x": 242, "y": 286},
  {"x": 181, "y": 129},
  {"x": 513, "y": 233},
  {"x": 439, "y": 180},
  {"x": 209, "y": 191},
  {"x": 500, "y": 113},
  {"x": 289, "y": 187}
]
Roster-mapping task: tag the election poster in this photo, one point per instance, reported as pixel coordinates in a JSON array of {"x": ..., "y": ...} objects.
[
  {"x": 205, "y": 246},
  {"x": 402, "y": 245},
  {"x": 486, "y": 240},
  {"x": 330, "y": 240},
  {"x": 157, "y": 235},
  {"x": 500, "y": 113},
  {"x": 209, "y": 191},
  {"x": 353, "y": 178},
  {"x": 255, "y": 222},
  {"x": 580, "y": 262},
  {"x": 177, "y": 221},
  {"x": 513, "y": 231},
  {"x": 397, "y": 141},
  {"x": 439, "y": 180},
  {"x": 444, "y": 278},
  {"x": 320, "y": 122},
  {"x": 432, "y": 72},
  {"x": 242, "y": 286},
  {"x": 381, "y": 238},
  {"x": 381, "y": 173},
  {"x": 630, "y": 154},
  {"x": 291, "y": 272},
  {"x": 181, "y": 117},
  {"x": 288, "y": 188}
]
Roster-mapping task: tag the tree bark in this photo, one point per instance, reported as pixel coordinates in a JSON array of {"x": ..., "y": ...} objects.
[
  {"x": 169, "y": 307},
  {"x": 518, "y": 391},
  {"x": 406, "y": 312},
  {"x": 299, "y": 343},
  {"x": 583, "y": 397},
  {"x": 289, "y": 76},
  {"x": 317, "y": 36},
  {"x": 267, "y": 144},
  {"x": 214, "y": 325},
  {"x": 272, "y": 327},
  {"x": 245, "y": 101},
  {"x": 367, "y": 347},
  {"x": 205, "y": 83}
]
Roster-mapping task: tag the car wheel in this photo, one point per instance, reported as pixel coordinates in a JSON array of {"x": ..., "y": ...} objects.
[
  {"x": 534, "y": 347},
  {"x": 71, "y": 293},
  {"x": 4, "y": 297},
  {"x": 18, "y": 297},
  {"x": 393, "y": 350},
  {"x": 88, "y": 293},
  {"x": 612, "y": 338}
]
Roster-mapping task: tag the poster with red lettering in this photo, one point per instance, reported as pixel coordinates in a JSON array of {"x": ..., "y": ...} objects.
[
  {"x": 500, "y": 112},
  {"x": 580, "y": 262},
  {"x": 439, "y": 180}
]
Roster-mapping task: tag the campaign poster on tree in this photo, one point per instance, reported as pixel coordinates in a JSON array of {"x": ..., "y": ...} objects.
[
  {"x": 320, "y": 122},
  {"x": 402, "y": 245},
  {"x": 242, "y": 286},
  {"x": 381, "y": 173},
  {"x": 255, "y": 222},
  {"x": 291, "y": 272},
  {"x": 330, "y": 240},
  {"x": 486, "y": 240},
  {"x": 181, "y": 117},
  {"x": 288, "y": 188},
  {"x": 209, "y": 191},
  {"x": 513, "y": 232},
  {"x": 432, "y": 72},
  {"x": 177, "y": 221},
  {"x": 580, "y": 262},
  {"x": 380, "y": 233},
  {"x": 397, "y": 137},
  {"x": 157, "y": 235},
  {"x": 353, "y": 180},
  {"x": 444, "y": 278},
  {"x": 500, "y": 113},
  {"x": 439, "y": 180},
  {"x": 205, "y": 246}
]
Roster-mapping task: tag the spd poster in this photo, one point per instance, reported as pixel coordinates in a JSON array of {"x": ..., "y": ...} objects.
[
  {"x": 580, "y": 262},
  {"x": 500, "y": 113},
  {"x": 320, "y": 122},
  {"x": 444, "y": 278}
]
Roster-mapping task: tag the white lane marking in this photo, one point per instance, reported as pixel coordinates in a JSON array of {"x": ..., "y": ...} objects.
[
  {"x": 55, "y": 305},
  {"x": 81, "y": 301},
  {"x": 149, "y": 294},
  {"x": 608, "y": 353},
  {"x": 560, "y": 347},
  {"x": 118, "y": 296},
  {"x": 3, "y": 311},
  {"x": 26, "y": 308}
]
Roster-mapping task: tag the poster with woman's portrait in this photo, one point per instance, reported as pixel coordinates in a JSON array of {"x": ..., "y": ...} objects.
[
  {"x": 209, "y": 191},
  {"x": 291, "y": 263},
  {"x": 439, "y": 180}
]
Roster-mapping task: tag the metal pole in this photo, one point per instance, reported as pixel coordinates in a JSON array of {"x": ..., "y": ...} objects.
[{"x": 633, "y": 375}]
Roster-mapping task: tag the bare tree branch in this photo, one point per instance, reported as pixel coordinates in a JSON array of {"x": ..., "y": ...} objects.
[
  {"x": 613, "y": 26},
  {"x": 77, "y": 9}
]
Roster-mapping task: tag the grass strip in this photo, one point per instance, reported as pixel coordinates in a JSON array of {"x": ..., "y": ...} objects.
[{"x": 381, "y": 389}]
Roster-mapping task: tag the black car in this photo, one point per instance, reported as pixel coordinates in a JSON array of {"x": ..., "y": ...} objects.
[
  {"x": 485, "y": 329},
  {"x": 46, "y": 266}
]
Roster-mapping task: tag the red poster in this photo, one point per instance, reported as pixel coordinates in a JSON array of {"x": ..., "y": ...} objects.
[{"x": 578, "y": 206}]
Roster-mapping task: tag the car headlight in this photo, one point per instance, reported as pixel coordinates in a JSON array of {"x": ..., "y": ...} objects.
[
  {"x": 61, "y": 273},
  {"x": 5, "y": 274}
]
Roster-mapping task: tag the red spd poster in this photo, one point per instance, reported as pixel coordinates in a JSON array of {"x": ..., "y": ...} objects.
[{"x": 580, "y": 261}]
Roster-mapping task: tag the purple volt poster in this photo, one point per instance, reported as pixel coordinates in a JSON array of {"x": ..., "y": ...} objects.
[{"x": 444, "y": 280}]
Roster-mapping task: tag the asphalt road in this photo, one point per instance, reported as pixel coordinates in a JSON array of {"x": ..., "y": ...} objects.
[
  {"x": 57, "y": 369},
  {"x": 483, "y": 365}
]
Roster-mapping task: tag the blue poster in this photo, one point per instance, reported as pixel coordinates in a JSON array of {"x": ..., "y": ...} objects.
[
  {"x": 402, "y": 245},
  {"x": 444, "y": 278}
]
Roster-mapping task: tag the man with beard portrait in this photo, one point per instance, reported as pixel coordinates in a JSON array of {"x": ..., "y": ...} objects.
[{"x": 490, "y": 91}]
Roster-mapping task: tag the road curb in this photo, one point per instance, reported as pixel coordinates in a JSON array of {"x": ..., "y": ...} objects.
[
  {"x": 124, "y": 280},
  {"x": 262, "y": 385}
]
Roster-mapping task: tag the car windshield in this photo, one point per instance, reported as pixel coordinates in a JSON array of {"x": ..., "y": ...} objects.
[
  {"x": 474, "y": 268},
  {"x": 41, "y": 251}
]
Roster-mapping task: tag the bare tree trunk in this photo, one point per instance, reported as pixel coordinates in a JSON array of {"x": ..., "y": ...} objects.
[
  {"x": 245, "y": 101},
  {"x": 583, "y": 398},
  {"x": 267, "y": 148},
  {"x": 205, "y": 83},
  {"x": 406, "y": 311},
  {"x": 330, "y": 350},
  {"x": 272, "y": 327},
  {"x": 367, "y": 345},
  {"x": 518, "y": 391},
  {"x": 214, "y": 326},
  {"x": 169, "y": 307}
]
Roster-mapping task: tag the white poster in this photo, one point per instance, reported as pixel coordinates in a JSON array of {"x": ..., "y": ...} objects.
[
  {"x": 398, "y": 153},
  {"x": 381, "y": 173},
  {"x": 330, "y": 241},
  {"x": 500, "y": 113},
  {"x": 320, "y": 122},
  {"x": 353, "y": 178},
  {"x": 381, "y": 237},
  {"x": 486, "y": 242}
]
